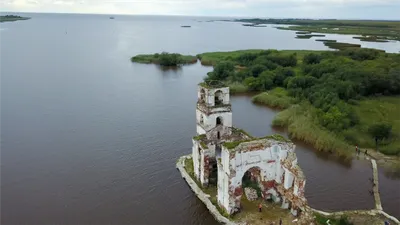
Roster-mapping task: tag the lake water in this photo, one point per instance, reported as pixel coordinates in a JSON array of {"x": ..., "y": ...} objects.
[{"x": 88, "y": 137}]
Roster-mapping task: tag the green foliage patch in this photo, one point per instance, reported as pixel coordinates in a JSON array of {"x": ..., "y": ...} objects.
[
  {"x": 276, "y": 98},
  {"x": 165, "y": 59}
]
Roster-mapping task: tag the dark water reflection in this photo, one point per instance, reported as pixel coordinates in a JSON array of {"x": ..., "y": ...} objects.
[{"x": 87, "y": 137}]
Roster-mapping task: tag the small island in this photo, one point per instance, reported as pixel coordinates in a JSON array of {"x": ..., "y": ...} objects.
[
  {"x": 11, "y": 18},
  {"x": 371, "y": 39},
  {"x": 165, "y": 59},
  {"x": 308, "y": 36},
  {"x": 253, "y": 25},
  {"x": 186, "y": 26}
]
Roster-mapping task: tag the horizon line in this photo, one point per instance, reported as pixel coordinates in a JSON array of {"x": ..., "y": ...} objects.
[{"x": 184, "y": 15}]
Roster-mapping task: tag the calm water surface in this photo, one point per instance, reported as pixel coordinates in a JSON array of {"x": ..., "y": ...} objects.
[{"x": 88, "y": 137}]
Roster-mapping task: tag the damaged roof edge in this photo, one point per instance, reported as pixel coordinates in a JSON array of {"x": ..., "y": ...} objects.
[{"x": 276, "y": 137}]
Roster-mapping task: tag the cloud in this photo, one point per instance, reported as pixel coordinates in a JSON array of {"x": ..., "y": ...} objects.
[{"x": 259, "y": 8}]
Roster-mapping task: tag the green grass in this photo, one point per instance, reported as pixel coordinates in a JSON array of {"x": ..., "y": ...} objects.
[
  {"x": 322, "y": 220},
  {"x": 233, "y": 144},
  {"x": 340, "y": 45},
  {"x": 276, "y": 98},
  {"x": 236, "y": 87},
  {"x": 375, "y": 110},
  {"x": 211, "y": 58},
  {"x": 211, "y": 190},
  {"x": 301, "y": 124}
]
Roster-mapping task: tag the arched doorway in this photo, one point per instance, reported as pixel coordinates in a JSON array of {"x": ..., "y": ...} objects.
[
  {"x": 219, "y": 121},
  {"x": 250, "y": 194},
  {"x": 252, "y": 180},
  {"x": 218, "y": 98}
]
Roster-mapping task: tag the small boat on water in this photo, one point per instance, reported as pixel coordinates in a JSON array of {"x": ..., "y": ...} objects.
[
  {"x": 111, "y": 17},
  {"x": 186, "y": 26}
]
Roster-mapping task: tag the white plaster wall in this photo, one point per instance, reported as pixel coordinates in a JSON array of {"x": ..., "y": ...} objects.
[
  {"x": 243, "y": 161},
  {"x": 225, "y": 160},
  {"x": 289, "y": 177},
  {"x": 222, "y": 195},
  {"x": 209, "y": 122},
  {"x": 211, "y": 150},
  {"x": 202, "y": 167},
  {"x": 198, "y": 114},
  {"x": 296, "y": 188},
  {"x": 279, "y": 173},
  {"x": 226, "y": 119},
  {"x": 211, "y": 94},
  {"x": 200, "y": 130},
  {"x": 196, "y": 157},
  {"x": 267, "y": 159}
]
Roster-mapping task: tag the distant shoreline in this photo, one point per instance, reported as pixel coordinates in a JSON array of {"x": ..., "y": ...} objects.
[
  {"x": 12, "y": 18},
  {"x": 370, "y": 30}
]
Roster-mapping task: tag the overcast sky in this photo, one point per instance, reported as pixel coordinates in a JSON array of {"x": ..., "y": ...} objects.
[{"x": 350, "y": 9}]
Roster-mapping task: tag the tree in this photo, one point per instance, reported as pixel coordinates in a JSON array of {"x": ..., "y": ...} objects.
[
  {"x": 281, "y": 74},
  {"x": 246, "y": 59},
  {"x": 223, "y": 70},
  {"x": 253, "y": 84},
  {"x": 263, "y": 60},
  {"x": 312, "y": 58},
  {"x": 257, "y": 70},
  {"x": 380, "y": 131},
  {"x": 266, "y": 79}
]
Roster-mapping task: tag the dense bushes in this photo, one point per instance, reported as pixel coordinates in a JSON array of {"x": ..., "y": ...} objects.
[{"x": 332, "y": 82}]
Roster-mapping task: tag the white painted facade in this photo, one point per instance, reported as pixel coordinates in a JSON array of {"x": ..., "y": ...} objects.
[
  {"x": 213, "y": 117},
  {"x": 272, "y": 159},
  {"x": 267, "y": 159},
  {"x": 209, "y": 94}
]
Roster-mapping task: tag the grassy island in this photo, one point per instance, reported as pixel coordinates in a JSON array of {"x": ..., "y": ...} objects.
[
  {"x": 308, "y": 36},
  {"x": 333, "y": 100},
  {"x": 165, "y": 59},
  {"x": 382, "y": 30},
  {"x": 10, "y": 18},
  {"x": 371, "y": 39}
]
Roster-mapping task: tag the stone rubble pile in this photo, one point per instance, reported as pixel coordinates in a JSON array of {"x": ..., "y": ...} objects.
[{"x": 251, "y": 193}]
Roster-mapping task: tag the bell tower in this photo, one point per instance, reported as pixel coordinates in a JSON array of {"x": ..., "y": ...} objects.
[
  {"x": 213, "y": 108},
  {"x": 213, "y": 127}
]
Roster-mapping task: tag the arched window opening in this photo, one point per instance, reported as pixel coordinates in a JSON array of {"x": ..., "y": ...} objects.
[
  {"x": 202, "y": 95},
  {"x": 218, "y": 135},
  {"x": 219, "y": 120},
  {"x": 218, "y": 98}
]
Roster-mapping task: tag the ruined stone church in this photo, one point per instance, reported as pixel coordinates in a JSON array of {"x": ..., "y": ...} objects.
[{"x": 222, "y": 155}]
